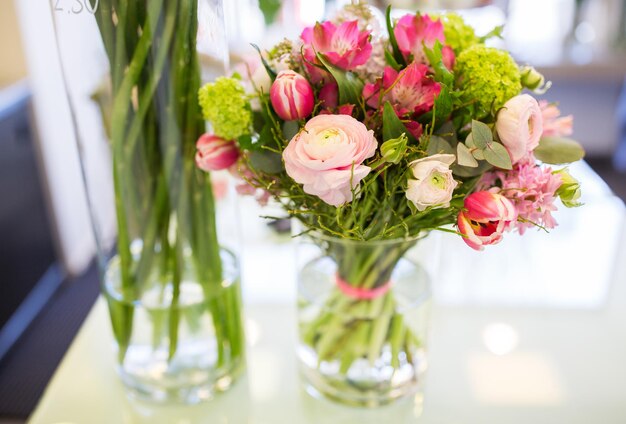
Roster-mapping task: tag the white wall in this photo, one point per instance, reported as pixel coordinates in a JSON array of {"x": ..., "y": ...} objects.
[{"x": 85, "y": 65}]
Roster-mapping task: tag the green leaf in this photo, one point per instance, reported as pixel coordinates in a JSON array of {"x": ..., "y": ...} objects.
[
  {"x": 270, "y": 9},
  {"x": 272, "y": 73},
  {"x": 393, "y": 126},
  {"x": 496, "y": 32},
  {"x": 469, "y": 142},
  {"x": 397, "y": 54},
  {"x": 497, "y": 155},
  {"x": 266, "y": 137},
  {"x": 481, "y": 134},
  {"x": 478, "y": 154},
  {"x": 437, "y": 145},
  {"x": 464, "y": 156},
  {"x": 245, "y": 142},
  {"x": 435, "y": 58},
  {"x": 466, "y": 172},
  {"x": 290, "y": 129},
  {"x": 557, "y": 150},
  {"x": 447, "y": 131},
  {"x": 391, "y": 61},
  {"x": 266, "y": 161},
  {"x": 350, "y": 87}
]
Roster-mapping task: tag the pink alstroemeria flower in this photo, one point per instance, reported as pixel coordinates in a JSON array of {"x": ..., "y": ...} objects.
[
  {"x": 345, "y": 46},
  {"x": 409, "y": 91},
  {"x": 555, "y": 125},
  {"x": 414, "y": 32},
  {"x": 485, "y": 219}
]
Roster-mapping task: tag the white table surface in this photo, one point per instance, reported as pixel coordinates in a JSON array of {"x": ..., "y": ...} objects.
[{"x": 531, "y": 331}]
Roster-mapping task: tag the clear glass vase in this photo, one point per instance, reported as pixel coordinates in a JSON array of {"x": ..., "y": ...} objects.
[
  {"x": 363, "y": 313},
  {"x": 172, "y": 289}
]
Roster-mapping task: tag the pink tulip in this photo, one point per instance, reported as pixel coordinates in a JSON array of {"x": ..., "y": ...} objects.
[
  {"x": 292, "y": 96},
  {"x": 485, "y": 219},
  {"x": 215, "y": 153},
  {"x": 345, "y": 46},
  {"x": 414, "y": 32}
]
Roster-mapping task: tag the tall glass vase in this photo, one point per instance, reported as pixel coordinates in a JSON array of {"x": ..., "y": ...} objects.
[
  {"x": 363, "y": 309},
  {"x": 172, "y": 290}
]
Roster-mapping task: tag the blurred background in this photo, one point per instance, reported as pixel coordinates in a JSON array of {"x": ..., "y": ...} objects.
[{"x": 47, "y": 280}]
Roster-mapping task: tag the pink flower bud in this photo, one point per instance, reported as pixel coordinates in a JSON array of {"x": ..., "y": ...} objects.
[
  {"x": 485, "y": 219},
  {"x": 292, "y": 96},
  {"x": 215, "y": 153}
]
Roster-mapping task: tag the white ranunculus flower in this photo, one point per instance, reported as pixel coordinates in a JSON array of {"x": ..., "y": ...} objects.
[
  {"x": 433, "y": 184},
  {"x": 520, "y": 125}
]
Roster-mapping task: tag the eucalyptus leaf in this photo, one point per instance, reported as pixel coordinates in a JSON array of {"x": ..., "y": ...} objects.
[
  {"x": 447, "y": 131},
  {"x": 558, "y": 150},
  {"x": 438, "y": 144},
  {"x": 266, "y": 161},
  {"x": 481, "y": 134},
  {"x": 478, "y": 154},
  {"x": 466, "y": 172},
  {"x": 497, "y": 155},
  {"x": 464, "y": 156},
  {"x": 290, "y": 128},
  {"x": 350, "y": 87}
]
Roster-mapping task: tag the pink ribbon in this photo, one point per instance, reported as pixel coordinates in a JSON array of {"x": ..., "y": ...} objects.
[{"x": 362, "y": 293}]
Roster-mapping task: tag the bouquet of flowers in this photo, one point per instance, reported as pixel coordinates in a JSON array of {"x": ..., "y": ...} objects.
[{"x": 368, "y": 131}]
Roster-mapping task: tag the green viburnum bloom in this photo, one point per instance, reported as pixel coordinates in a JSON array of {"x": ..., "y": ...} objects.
[
  {"x": 459, "y": 35},
  {"x": 225, "y": 106},
  {"x": 487, "y": 76}
]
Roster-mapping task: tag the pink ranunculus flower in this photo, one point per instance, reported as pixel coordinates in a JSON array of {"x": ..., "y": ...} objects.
[
  {"x": 408, "y": 91},
  {"x": 555, "y": 125},
  {"x": 292, "y": 96},
  {"x": 328, "y": 154},
  {"x": 485, "y": 218},
  {"x": 414, "y": 32},
  {"x": 214, "y": 153},
  {"x": 520, "y": 126},
  {"x": 344, "y": 45}
]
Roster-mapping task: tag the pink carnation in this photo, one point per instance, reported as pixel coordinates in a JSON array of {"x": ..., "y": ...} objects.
[
  {"x": 555, "y": 125},
  {"x": 327, "y": 157},
  {"x": 345, "y": 46},
  {"x": 530, "y": 187}
]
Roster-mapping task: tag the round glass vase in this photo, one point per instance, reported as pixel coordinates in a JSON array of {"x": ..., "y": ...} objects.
[
  {"x": 363, "y": 313},
  {"x": 132, "y": 72}
]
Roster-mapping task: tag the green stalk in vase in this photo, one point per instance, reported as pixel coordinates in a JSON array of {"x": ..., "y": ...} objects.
[
  {"x": 155, "y": 122},
  {"x": 349, "y": 327}
]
